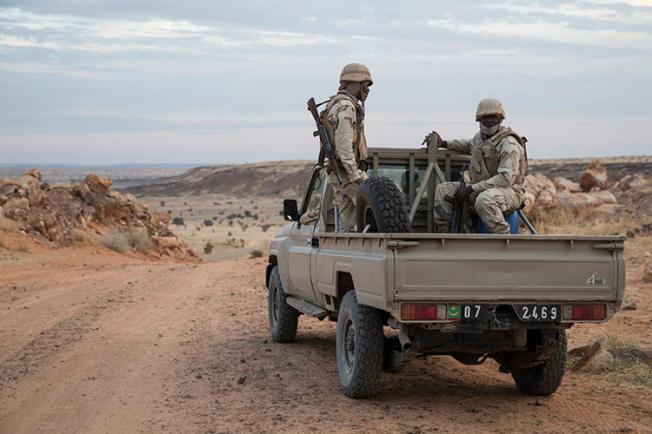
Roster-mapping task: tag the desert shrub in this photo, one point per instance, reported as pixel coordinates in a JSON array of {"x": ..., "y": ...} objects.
[
  {"x": 221, "y": 213},
  {"x": 115, "y": 240},
  {"x": 256, "y": 253},
  {"x": 139, "y": 240},
  {"x": 178, "y": 221},
  {"x": 80, "y": 236},
  {"x": 208, "y": 248},
  {"x": 162, "y": 203},
  {"x": 214, "y": 218},
  {"x": 208, "y": 222},
  {"x": 247, "y": 213},
  {"x": 254, "y": 216},
  {"x": 230, "y": 222},
  {"x": 229, "y": 234},
  {"x": 265, "y": 227}
]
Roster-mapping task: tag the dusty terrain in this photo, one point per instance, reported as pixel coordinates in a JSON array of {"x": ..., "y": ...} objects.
[{"x": 92, "y": 341}]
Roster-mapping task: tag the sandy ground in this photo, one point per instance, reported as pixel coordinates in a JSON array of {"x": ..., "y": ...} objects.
[
  {"x": 238, "y": 226},
  {"x": 96, "y": 342}
]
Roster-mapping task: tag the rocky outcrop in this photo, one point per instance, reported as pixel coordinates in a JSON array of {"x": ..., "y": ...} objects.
[
  {"x": 594, "y": 176},
  {"x": 562, "y": 195},
  {"x": 52, "y": 212}
]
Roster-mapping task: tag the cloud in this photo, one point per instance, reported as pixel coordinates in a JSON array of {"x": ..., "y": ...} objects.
[
  {"x": 634, "y": 3},
  {"x": 154, "y": 28},
  {"x": 50, "y": 69},
  {"x": 290, "y": 39},
  {"x": 573, "y": 10},
  {"x": 18, "y": 42},
  {"x": 562, "y": 32}
]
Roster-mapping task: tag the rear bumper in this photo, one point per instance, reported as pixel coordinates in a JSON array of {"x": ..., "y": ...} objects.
[{"x": 499, "y": 316}]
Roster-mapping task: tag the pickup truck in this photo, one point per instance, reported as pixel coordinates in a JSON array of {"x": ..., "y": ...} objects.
[{"x": 398, "y": 290}]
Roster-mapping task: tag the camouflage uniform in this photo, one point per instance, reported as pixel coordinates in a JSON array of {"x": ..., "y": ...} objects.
[
  {"x": 346, "y": 119},
  {"x": 497, "y": 172}
]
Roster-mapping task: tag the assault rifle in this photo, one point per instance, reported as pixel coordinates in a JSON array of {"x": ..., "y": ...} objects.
[
  {"x": 458, "y": 210},
  {"x": 326, "y": 148}
]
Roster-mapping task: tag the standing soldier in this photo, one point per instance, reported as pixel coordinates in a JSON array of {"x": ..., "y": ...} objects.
[
  {"x": 343, "y": 118},
  {"x": 498, "y": 169}
]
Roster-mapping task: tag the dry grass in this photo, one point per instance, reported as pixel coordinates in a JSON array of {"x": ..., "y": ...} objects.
[
  {"x": 115, "y": 240},
  {"x": 256, "y": 253},
  {"x": 625, "y": 370},
  {"x": 139, "y": 240},
  {"x": 559, "y": 221},
  {"x": 81, "y": 236}
]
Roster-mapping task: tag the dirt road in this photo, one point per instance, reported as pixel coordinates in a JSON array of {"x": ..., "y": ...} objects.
[{"x": 127, "y": 346}]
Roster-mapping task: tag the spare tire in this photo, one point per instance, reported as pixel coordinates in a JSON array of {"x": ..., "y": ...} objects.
[{"x": 380, "y": 205}]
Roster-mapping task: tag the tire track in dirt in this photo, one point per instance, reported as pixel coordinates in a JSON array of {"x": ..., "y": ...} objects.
[{"x": 187, "y": 349}]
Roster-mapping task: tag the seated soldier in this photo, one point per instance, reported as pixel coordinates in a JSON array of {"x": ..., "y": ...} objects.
[{"x": 497, "y": 172}]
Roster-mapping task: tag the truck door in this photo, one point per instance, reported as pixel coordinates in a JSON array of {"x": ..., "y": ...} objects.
[{"x": 303, "y": 242}]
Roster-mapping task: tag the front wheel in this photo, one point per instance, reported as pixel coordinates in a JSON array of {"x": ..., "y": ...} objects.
[
  {"x": 544, "y": 379},
  {"x": 359, "y": 347},
  {"x": 283, "y": 318}
]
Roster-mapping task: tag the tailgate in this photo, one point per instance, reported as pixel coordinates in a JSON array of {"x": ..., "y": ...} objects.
[{"x": 516, "y": 268}]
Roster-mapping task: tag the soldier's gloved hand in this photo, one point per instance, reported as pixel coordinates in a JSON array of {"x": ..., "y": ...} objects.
[
  {"x": 463, "y": 193},
  {"x": 433, "y": 138}
]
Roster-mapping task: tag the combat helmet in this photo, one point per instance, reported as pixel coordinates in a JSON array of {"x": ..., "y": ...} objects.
[
  {"x": 356, "y": 72},
  {"x": 489, "y": 106}
]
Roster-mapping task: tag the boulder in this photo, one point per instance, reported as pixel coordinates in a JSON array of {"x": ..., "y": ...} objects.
[
  {"x": 606, "y": 211},
  {"x": 630, "y": 182},
  {"x": 565, "y": 184},
  {"x": 16, "y": 208},
  {"x": 601, "y": 361},
  {"x": 97, "y": 184},
  {"x": 31, "y": 184},
  {"x": 595, "y": 175}
]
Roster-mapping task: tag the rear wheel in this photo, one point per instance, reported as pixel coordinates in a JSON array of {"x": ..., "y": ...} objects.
[
  {"x": 380, "y": 206},
  {"x": 359, "y": 347},
  {"x": 544, "y": 379},
  {"x": 283, "y": 318}
]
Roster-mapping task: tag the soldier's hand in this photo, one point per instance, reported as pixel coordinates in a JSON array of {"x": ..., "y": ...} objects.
[
  {"x": 433, "y": 138},
  {"x": 463, "y": 193}
]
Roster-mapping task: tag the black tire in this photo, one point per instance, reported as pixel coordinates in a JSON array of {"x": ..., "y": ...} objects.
[
  {"x": 380, "y": 204},
  {"x": 544, "y": 379},
  {"x": 359, "y": 347},
  {"x": 283, "y": 318}
]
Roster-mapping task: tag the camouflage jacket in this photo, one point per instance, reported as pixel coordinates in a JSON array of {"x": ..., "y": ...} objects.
[
  {"x": 498, "y": 162},
  {"x": 344, "y": 120}
]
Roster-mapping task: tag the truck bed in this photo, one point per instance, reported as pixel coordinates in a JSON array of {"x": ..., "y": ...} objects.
[{"x": 474, "y": 267}]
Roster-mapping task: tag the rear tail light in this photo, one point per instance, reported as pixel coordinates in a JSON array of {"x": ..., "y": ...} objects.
[
  {"x": 585, "y": 312},
  {"x": 423, "y": 312}
]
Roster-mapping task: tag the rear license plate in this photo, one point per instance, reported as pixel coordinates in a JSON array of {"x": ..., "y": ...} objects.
[
  {"x": 470, "y": 312},
  {"x": 538, "y": 312}
]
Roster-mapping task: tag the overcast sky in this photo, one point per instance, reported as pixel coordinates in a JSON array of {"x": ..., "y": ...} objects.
[{"x": 158, "y": 81}]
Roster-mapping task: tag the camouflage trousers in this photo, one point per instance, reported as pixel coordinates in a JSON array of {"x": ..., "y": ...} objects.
[
  {"x": 489, "y": 205},
  {"x": 344, "y": 197}
]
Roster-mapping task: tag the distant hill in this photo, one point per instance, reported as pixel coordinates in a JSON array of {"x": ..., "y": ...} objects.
[
  {"x": 276, "y": 178},
  {"x": 288, "y": 178}
]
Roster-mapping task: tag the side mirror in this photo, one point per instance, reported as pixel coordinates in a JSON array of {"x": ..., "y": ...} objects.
[{"x": 290, "y": 210}]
